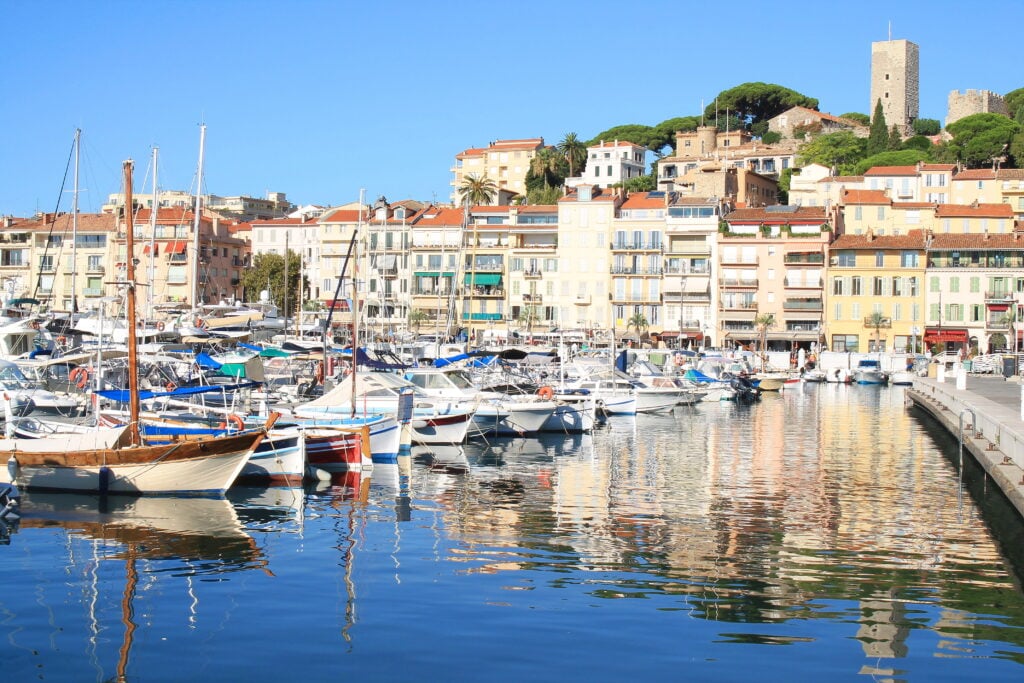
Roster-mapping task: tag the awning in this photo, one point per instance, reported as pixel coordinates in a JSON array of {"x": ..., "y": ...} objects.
[
  {"x": 483, "y": 279},
  {"x": 432, "y": 273},
  {"x": 934, "y": 334},
  {"x": 998, "y": 307},
  {"x": 176, "y": 247},
  {"x": 698, "y": 285},
  {"x": 387, "y": 261},
  {"x": 146, "y": 250}
]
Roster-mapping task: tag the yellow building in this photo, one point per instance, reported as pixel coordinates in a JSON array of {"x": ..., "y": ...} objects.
[
  {"x": 875, "y": 296},
  {"x": 506, "y": 162}
]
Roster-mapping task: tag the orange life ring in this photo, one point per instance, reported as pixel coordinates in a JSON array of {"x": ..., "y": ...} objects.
[
  {"x": 320, "y": 372},
  {"x": 200, "y": 323},
  {"x": 35, "y": 325},
  {"x": 160, "y": 326},
  {"x": 171, "y": 386},
  {"x": 61, "y": 339},
  {"x": 79, "y": 377},
  {"x": 234, "y": 421},
  {"x": 546, "y": 393}
]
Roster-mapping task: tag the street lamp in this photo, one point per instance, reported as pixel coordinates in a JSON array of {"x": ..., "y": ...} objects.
[
  {"x": 914, "y": 331},
  {"x": 1012, "y": 318}
]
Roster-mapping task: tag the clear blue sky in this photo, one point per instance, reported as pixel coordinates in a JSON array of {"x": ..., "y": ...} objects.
[{"x": 318, "y": 99}]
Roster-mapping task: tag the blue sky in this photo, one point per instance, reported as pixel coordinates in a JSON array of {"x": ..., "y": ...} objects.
[{"x": 320, "y": 99}]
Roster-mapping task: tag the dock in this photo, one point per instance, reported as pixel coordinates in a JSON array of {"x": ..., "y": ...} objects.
[{"x": 986, "y": 415}]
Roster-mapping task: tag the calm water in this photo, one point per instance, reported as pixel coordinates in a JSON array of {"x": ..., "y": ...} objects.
[{"x": 820, "y": 534}]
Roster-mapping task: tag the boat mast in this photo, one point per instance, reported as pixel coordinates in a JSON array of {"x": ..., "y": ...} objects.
[
  {"x": 133, "y": 360},
  {"x": 154, "y": 208},
  {"x": 195, "y": 223},
  {"x": 74, "y": 226},
  {"x": 285, "y": 311}
]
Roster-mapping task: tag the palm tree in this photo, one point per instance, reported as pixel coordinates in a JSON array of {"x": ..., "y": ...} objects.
[
  {"x": 477, "y": 189},
  {"x": 417, "y": 316},
  {"x": 876, "y": 321},
  {"x": 638, "y": 322},
  {"x": 763, "y": 323},
  {"x": 574, "y": 151}
]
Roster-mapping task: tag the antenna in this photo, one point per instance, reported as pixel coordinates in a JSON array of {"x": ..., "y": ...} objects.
[{"x": 890, "y": 30}]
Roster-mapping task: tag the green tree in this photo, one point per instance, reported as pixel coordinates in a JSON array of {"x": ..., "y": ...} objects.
[
  {"x": 638, "y": 322},
  {"x": 918, "y": 142},
  {"x": 1014, "y": 101},
  {"x": 417, "y": 317},
  {"x": 1017, "y": 149},
  {"x": 771, "y": 137},
  {"x": 476, "y": 190},
  {"x": 841, "y": 150},
  {"x": 906, "y": 157},
  {"x": 785, "y": 181},
  {"x": 648, "y": 136},
  {"x": 926, "y": 127},
  {"x": 643, "y": 183},
  {"x": 574, "y": 152},
  {"x": 667, "y": 129},
  {"x": 895, "y": 139},
  {"x": 876, "y": 321},
  {"x": 548, "y": 168},
  {"x": 980, "y": 138},
  {"x": 543, "y": 196},
  {"x": 267, "y": 273},
  {"x": 763, "y": 323},
  {"x": 756, "y": 102},
  {"x": 862, "y": 119},
  {"x": 878, "y": 136}
]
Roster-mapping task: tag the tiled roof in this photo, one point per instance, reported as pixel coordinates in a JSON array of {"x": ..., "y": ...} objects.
[
  {"x": 891, "y": 170},
  {"x": 842, "y": 179},
  {"x": 865, "y": 197},
  {"x": 975, "y": 174},
  {"x": 285, "y": 222},
  {"x": 938, "y": 167},
  {"x": 642, "y": 200},
  {"x": 977, "y": 241},
  {"x": 761, "y": 214},
  {"x": 1010, "y": 174},
  {"x": 974, "y": 211},
  {"x": 539, "y": 208},
  {"x": 343, "y": 216},
  {"x": 914, "y": 239},
  {"x": 440, "y": 217},
  {"x": 86, "y": 221}
]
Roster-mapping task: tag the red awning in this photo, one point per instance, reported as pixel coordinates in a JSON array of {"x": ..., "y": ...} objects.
[
  {"x": 156, "y": 250},
  {"x": 998, "y": 307},
  {"x": 934, "y": 334},
  {"x": 176, "y": 247}
]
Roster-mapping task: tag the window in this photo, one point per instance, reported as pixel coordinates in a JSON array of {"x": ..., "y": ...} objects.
[
  {"x": 95, "y": 262},
  {"x": 855, "y": 285},
  {"x": 844, "y": 343},
  {"x": 879, "y": 259},
  {"x": 908, "y": 259},
  {"x": 954, "y": 284},
  {"x": 877, "y": 287},
  {"x": 847, "y": 259},
  {"x": 837, "y": 286},
  {"x": 933, "y": 284},
  {"x": 881, "y": 213}
]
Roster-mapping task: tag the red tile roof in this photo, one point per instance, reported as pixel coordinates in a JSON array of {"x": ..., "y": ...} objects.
[
  {"x": 344, "y": 216},
  {"x": 642, "y": 200},
  {"x": 977, "y": 241},
  {"x": 86, "y": 221},
  {"x": 974, "y": 211},
  {"x": 975, "y": 174},
  {"x": 440, "y": 217},
  {"x": 938, "y": 167},
  {"x": 865, "y": 197},
  {"x": 761, "y": 214},
  {"x": 914, "y": 239}
]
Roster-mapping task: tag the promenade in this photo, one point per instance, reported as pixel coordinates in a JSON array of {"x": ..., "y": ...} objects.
[{"x": 993, "y": 434}]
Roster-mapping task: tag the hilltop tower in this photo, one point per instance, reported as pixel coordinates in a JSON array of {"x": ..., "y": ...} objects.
[{"x": 894, "y": 81}]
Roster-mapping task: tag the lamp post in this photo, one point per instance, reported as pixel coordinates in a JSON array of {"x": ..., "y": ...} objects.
[
  {"x": 1011, "y": 316},
  {"x": 913, "y": 339}
]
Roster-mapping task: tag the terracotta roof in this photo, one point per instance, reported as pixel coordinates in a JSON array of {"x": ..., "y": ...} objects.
[
  {"x": 239, "y": 227},
  {"x": 842, "y": 179},
  {"x": 86, "y": 221},
  {"x": 1010, "y": 174},
  {"x": 977, "y": 241},
  {"x": 762, "y": 214},
  {"x": 642, "y": 200},
  {"x": 165, "y": 214},
  {"x": 975, "y": 174},
  {"x": 693, "y": 201},
  {"x": 487, "y": 208},
  {"x": 539, "y": 208},
  {"x": 865, "y": 197},
  {"x": 471, "y": 152},
  {"x": 343, "y": 216},
  {"x": 974, "y": 211},
  {"x": 913, "y": 205},
  {"x": 285, "y": 222},
  {"x": 914, "y": 239},
  {"x": 891, "y": 170},
  {"x": 440, "y": 217},
  {"x": 938, "y": 167}
]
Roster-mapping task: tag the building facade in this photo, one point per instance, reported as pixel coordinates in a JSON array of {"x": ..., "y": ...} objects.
[{"x": 895, "y": 75}]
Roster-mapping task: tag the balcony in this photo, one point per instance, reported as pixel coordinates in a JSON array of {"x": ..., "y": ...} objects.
[
  {"x": 532, "y": 274},
  {"x": 46, "y": 268},
  {"x": 748, "y": 263},
  {"x": 100, "y": 270},
  {"x": 533, "y": 298},
  {"x": 583, "y": 300},
  {"x": 92, "y": 291},
  {"x": 684, "y": 271},
  {"x": 997, "y": 324},
  {"x": 999, "y": 296},
  {"x": 884, "y": 323},
  {"x": 742, "y": 283},
  {"x": 815, "y": 259},
  {"x": 794, "y": 283},
  {"x": 484, "y": 291},
  {"x": 740, "y": 305},
  {"x": 802, "y": 305},
  {"x": 635, "y": 246},
  {"x": 388, "y": 273},
  {"x": 627, "y": 270}
]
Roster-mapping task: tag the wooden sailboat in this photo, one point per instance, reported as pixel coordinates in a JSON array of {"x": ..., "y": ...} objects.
[{"x": 116, "y": 460}]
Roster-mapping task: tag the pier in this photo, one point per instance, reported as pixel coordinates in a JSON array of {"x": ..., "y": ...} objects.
[{"x": 985, "y": 413}]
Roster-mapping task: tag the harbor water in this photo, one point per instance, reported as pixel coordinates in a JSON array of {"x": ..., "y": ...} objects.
[{"x": 825, "y": 533}]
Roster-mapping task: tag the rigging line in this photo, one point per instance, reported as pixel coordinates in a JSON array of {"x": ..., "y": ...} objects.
[{"x": 60, "y": 195}]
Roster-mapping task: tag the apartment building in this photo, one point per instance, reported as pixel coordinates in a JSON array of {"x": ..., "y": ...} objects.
[
  {"x": 385, "y": 265},
  {"x": 300, "y": 236},
  {"x": 506, "y": 162},
  {"x": 771, "y": 262},
  {"x": 341, "y": 229},
  {"x": 436, "y": 261},
  {"x": 584, "y": 257},
  {"x": 612, "y": 163},
  {"x": 690, "y": 255}
]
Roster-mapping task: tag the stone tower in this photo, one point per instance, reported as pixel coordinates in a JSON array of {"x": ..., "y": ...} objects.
[{"x": 894, "y": 81}]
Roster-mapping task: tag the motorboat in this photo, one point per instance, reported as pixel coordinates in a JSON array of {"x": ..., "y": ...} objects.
[{"x": 869, "y": 371}]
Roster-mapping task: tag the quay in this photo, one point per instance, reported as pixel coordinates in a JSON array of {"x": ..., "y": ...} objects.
[{"x": 985, "y": 413}]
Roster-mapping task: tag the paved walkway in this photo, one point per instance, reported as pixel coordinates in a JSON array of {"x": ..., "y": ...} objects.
[{"x": 989, "y": 411}]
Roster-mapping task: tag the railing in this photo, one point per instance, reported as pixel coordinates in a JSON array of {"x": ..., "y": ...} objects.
[
  {"x": 92, "y": 291},
  {"x": 740, "y": 282},
  {"x": 997, "y": 325},
  {"x": 730, "y": 262},
  {"x": 532, "y": 274},
  {"x": 802, "y": 305},
  {"x": 687, "y": 271},
  {"x": 999, "y": 296},
  {"x": 533, "y": 298},
  {"x": 486, "y": 268},
  {"x": 96, "y": 269},
  {"x": 486, "y": 291},
  {"x": 636, "y": 246},
  {"x": 740, "y": 305},
  {"x": 47, "y": 268},
  {"x": 808, "y": 259},
  {"x": 626, "y": 270}
]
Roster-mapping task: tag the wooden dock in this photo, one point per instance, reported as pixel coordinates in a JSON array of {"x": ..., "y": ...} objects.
[{"x": 986, "y": 415}]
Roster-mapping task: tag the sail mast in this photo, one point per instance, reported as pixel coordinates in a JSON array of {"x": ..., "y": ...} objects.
[
  {"x": 133, "y": 360},
  {"x": 154, "y": 208},
  {"x": 74, "y": 225},
  {"x": 195, "y": 221}
]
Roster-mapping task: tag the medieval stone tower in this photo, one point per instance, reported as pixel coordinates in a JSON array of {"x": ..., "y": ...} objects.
[{"x": 894, "y": 81}]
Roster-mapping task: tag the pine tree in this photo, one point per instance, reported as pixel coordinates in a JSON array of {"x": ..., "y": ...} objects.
[
  {"x": 878, "y": 136},
  {"x": 895, "y": 139}
]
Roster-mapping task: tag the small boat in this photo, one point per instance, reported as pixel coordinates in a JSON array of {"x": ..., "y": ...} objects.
[
  {"x": 869, "y": 371},
  {"x": 814, "y": 375}
]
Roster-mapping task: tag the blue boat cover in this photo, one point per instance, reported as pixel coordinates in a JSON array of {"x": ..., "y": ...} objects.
[{"x": 122, "y": 395}]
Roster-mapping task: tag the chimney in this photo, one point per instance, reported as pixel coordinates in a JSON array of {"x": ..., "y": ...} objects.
[{"x": 8, "y": 221}]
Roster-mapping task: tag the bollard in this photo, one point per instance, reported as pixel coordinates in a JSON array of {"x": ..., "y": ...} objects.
[
  {"x": 940, "y": 375},
  {"x": 961, "y": 377},
  {"x": 1022, "y": 401}
]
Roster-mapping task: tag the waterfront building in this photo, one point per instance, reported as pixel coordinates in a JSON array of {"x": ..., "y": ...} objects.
[
  {"x": 539, "y": 295},
  {"x": 339, "y": 258},
  {"x": 489, "y": 247},
  {"x": 239, "y": 207},
  {"x": 506, "y": 162},
  {"x": 585, "y": 219},
  {"x": 384, "y": 266},
  {"x": 436, "y": 253},
  {"x": 895, "y": 82},
  {"x": 814, "y": 185},
  {"x": 875, "y": 297},
  {"x": 636, "y": 267},
  {"x": 772, "y": 263},
  {"x": 690, "y": 257},
  {"x": 975, "y": 261},
  {"x": 300, "y": 236},
  {"x": 612, "y": 163}
]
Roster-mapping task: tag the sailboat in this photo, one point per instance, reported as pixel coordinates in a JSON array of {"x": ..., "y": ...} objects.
[{"x": 115, "y": 460}]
